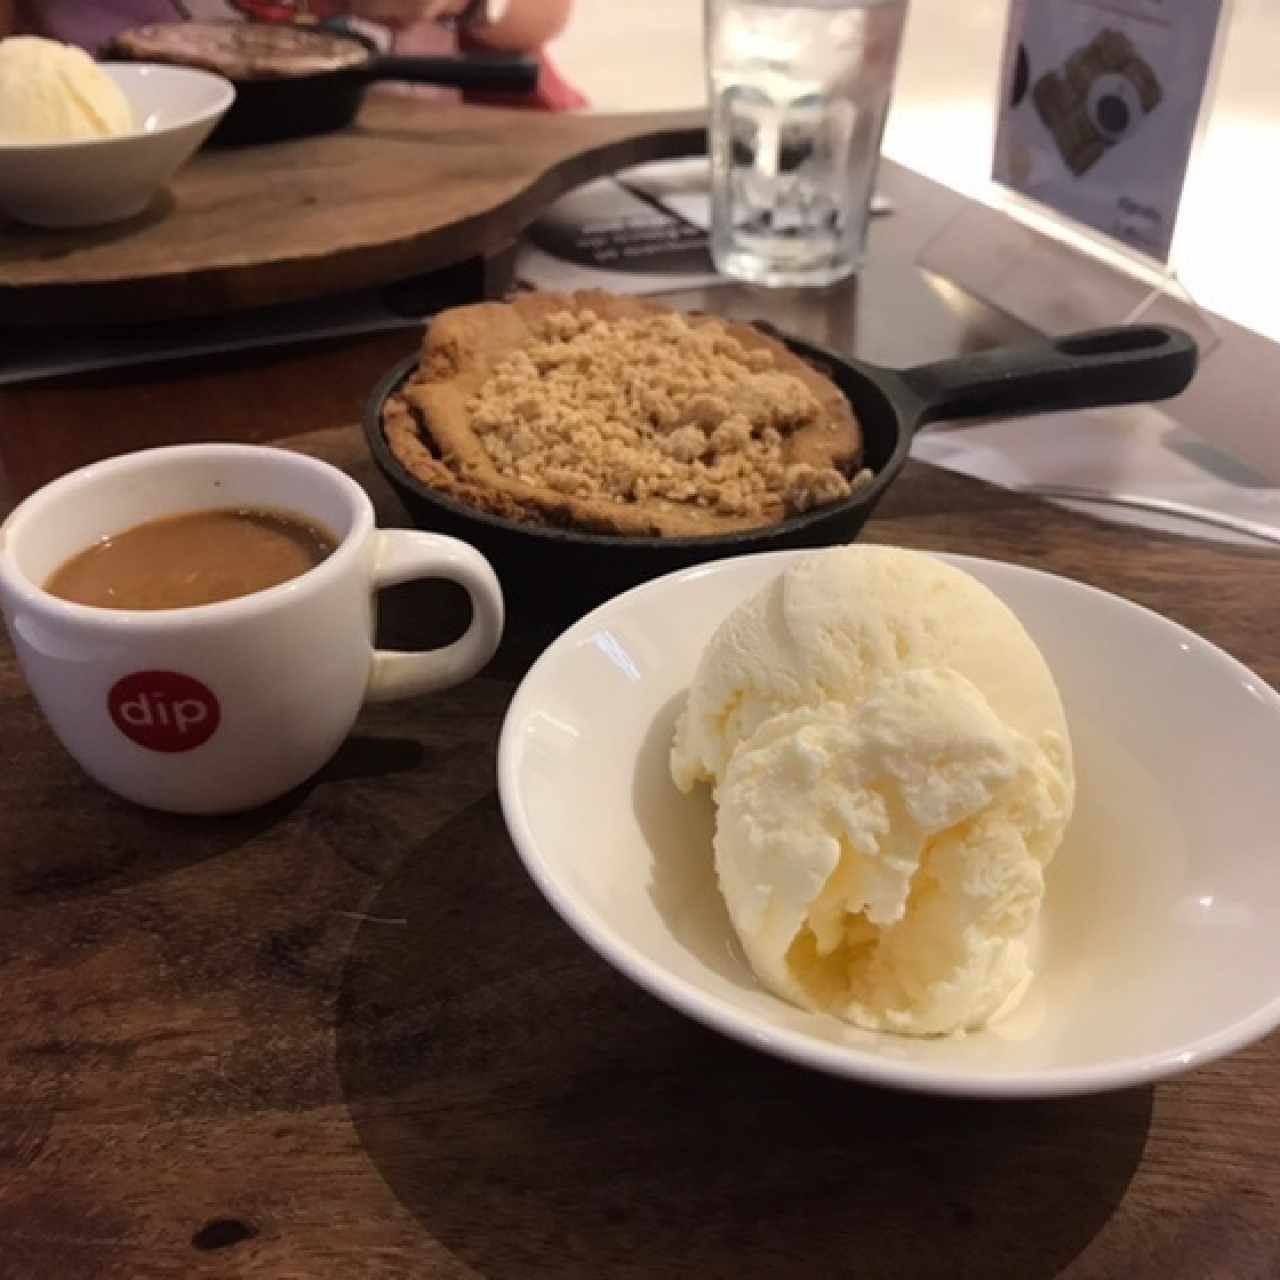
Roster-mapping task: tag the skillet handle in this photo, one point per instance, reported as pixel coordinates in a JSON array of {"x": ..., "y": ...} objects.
[
  {"x": 489, "y": 74},
  {"x": 1120, "y": 365}
]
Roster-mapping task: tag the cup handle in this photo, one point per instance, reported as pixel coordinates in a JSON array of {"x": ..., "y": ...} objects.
[{"x": 402, "y": 555}]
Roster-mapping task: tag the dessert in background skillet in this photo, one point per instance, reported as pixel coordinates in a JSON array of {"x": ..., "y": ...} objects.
[{"x": 242, "y": 50}]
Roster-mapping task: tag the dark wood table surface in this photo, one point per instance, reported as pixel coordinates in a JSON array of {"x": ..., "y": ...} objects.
[{"x": 343, "y": 1036}]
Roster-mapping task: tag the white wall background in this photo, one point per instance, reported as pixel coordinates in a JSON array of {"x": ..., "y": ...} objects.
[{"x": 646, "y": 55}]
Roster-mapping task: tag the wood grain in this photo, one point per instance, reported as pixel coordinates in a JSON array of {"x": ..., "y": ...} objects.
[
  {"x": 413, "y": 186},
  {"x": 344, "y": 1036}
]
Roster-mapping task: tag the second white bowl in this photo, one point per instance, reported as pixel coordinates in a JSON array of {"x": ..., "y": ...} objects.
[{"x": 93, "y": 181}]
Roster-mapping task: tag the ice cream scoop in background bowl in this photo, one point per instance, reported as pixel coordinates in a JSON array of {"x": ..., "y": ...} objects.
[
  {"x": 1158, "y": 944},
  {"x": 85, "y": 181}
]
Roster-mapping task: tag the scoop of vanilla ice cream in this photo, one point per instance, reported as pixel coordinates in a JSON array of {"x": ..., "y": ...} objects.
[
  {"x": 51, "y": 92},
  {"x": 836, "y": 620},
  {"x": 886, "y": 865},
  {"x": 892, "y": 773}
]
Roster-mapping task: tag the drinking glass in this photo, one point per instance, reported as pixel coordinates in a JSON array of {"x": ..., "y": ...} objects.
[{"x": 799, "y": 92}]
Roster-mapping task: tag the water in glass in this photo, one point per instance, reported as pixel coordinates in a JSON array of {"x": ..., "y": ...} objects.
[{"x": 799, "y": 91}]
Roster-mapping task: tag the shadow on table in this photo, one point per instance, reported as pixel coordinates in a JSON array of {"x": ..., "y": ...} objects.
[
  {"x": 88, "y": 840},
  {"x": 539, "y": 1115},
  {"x": 24, "y": 242}
]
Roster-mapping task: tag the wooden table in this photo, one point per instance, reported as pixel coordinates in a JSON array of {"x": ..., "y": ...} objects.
[{"x": 344, "y": 1036}]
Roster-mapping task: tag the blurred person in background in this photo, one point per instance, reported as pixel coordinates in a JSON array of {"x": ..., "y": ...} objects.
[{"x": 408, "y": 26}]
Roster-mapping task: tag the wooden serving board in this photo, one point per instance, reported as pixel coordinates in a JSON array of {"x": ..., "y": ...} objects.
[{"x": 411, "y": 187}]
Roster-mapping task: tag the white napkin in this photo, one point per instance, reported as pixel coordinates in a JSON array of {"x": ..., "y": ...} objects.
[{"x": 1131, "y": 450}]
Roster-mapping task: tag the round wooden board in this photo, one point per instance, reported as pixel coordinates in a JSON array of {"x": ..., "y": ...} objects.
[{"x": 411, "y": 187}]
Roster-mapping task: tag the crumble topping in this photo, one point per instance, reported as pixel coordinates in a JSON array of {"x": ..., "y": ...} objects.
[{"x": 649, "y": 407}]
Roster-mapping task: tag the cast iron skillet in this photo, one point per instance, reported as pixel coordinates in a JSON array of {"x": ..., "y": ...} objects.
[
  {"x": 290, "y": 107},
  {"x": 552, "y": 571}
]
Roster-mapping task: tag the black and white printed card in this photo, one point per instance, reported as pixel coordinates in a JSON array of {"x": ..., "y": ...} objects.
[{"x": 1099, "y": 106}]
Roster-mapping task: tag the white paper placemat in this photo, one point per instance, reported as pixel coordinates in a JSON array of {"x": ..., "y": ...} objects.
[{"x": 1134, "y": 451}]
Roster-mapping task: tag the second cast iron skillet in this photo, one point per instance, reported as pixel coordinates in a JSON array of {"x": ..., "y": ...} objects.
[
  {"x": 555, "y": 571},
  {"x": 292, "y": 98},
  {"x": 293, "y": 106}
]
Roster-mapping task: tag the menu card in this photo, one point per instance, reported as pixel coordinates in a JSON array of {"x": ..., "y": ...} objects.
[
  {"x": 640, "y": 231},
  {"x": 1098, "y": 109},
  {"x": 644, "y": 230}
]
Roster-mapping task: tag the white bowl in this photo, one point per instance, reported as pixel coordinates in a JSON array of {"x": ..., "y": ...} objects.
[
  {"x": 1160, "y": 936},
  {"x": 92, "y": 181}
]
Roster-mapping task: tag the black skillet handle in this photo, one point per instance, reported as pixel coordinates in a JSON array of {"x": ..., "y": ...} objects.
[
  {"x": 1122, "y": 365},
  {"x": 488, "y": 74}
]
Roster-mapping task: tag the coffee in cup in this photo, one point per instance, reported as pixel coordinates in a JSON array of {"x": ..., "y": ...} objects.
[
  {"x": 219, "y": 706},
  {"x": 197, "y": 558}
]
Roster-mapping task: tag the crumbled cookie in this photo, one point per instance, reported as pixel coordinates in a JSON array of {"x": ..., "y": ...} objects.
[{"x": 623, "y": 416}]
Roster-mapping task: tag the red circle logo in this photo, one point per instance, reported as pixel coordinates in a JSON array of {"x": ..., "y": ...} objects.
[{"x": 164, "y": 710}]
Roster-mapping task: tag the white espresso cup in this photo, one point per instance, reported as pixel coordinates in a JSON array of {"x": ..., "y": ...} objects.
[{"x": 221, "y": 707}]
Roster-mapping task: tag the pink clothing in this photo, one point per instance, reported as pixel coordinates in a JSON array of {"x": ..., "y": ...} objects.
[
  {"x": 422, "y": 38},
  {"x": 91, "y": 25}
]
